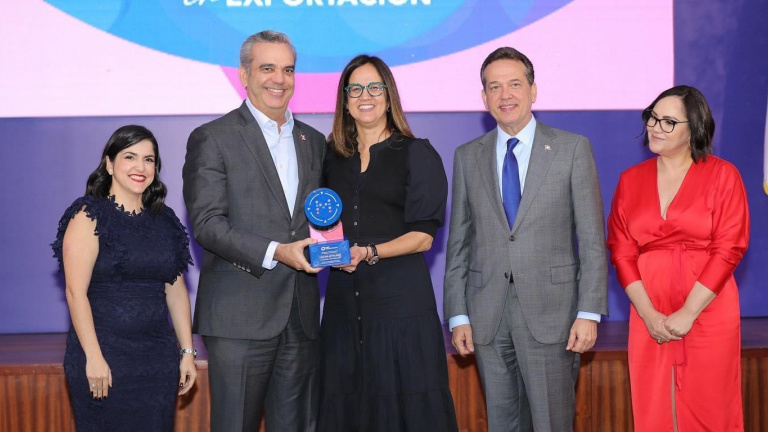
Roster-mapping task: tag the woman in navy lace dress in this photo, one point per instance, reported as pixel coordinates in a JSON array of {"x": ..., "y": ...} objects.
[{"x": 123, "y": 252}]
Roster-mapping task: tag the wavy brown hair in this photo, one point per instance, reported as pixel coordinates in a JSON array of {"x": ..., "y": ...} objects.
[{"x": 343, "y": 136}]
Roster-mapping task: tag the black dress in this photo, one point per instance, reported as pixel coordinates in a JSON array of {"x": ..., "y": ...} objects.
[
  {"x": 138, "y": 255},
  {"x": 383, "y": 355}
]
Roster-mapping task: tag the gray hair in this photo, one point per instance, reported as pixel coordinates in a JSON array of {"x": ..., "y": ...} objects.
[{"x": 266, "y": 36}]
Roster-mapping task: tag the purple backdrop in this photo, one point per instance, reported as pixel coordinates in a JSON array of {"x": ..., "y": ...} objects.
[{"x": 721, "y": 47}]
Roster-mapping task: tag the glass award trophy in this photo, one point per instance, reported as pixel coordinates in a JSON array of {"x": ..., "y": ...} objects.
[{"x": 323, "y": 210}]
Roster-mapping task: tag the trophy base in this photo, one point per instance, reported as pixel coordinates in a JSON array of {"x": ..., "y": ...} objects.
[{"x": 328, "y": 254}]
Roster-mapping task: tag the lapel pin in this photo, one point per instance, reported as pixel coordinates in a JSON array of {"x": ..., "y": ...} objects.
[
  {"x": 303, "y": 138},
  {"x": 546, "y": 147}
]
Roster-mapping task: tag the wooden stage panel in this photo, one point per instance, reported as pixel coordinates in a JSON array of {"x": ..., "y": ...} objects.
[
  {"x": 754, "y": 389},
  {"x": 34, "y": 395}
]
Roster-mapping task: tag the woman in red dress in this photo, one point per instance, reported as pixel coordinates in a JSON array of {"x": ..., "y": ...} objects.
[{"x": 679, "y": 225}]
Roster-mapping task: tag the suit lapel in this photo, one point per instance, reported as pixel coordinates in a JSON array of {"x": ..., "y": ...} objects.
[
  {"x": 254, "y": 139},
  {"x": 304, "y": 161},
  {"x": 542, "y": 155},
  {"x": 486, "y": 160}
]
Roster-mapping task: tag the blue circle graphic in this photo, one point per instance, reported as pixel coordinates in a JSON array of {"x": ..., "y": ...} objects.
[
  {"x": 327, "y": 33},
  {"x": 323, "y": 207}
]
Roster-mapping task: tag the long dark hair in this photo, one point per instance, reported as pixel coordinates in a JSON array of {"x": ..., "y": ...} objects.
[
  {"x": 100, "y": 181},
  {"x": 700, "y": 120},
  {"x": 344, "y": 132}
]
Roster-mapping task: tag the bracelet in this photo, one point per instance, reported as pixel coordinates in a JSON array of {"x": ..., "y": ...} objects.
[
  {"x": 374, "y": 255},
  {"x": 367, "y": 253},
  {"x": 188, "y": 351}
]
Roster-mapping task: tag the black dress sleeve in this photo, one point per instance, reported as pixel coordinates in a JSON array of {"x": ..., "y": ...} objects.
[
  {"x": 181, "y": 254},
  {"x": 93, "y": 208},
  {"x": 426, "y": 189}
]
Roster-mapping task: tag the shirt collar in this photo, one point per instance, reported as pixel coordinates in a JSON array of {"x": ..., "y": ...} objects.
[
  {"x": 262, "y": 118},
  {"x": 525, "y": 135}
]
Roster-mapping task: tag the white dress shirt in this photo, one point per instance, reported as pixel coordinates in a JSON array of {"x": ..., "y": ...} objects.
[{"x": 279, "y": 139}]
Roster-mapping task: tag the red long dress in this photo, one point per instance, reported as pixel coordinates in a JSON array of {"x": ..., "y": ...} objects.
[{"x": 702, "y": 239}]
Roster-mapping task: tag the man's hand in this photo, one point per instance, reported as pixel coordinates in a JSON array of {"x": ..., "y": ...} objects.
[
  {"x": 583, "y": 335},
  {"x": 292, "y": 255},
  {"x": 462, "y": 340}
]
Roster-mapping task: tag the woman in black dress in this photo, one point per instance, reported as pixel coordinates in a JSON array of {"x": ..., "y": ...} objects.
[
  {"x": 123, "y": 252},
  {"x": 383, "y": 355}
]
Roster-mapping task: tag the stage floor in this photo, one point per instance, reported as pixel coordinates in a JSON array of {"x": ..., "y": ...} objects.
[{"x": 34, "y": 397}]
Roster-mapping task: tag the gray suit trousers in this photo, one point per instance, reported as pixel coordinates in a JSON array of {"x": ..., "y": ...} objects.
[
  {"x": 528, "y": 385},
  {"x": 279, "y": 374}
]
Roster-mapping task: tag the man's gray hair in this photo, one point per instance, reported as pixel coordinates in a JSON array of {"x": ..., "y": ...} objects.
[{"x": 266, "y": 36}]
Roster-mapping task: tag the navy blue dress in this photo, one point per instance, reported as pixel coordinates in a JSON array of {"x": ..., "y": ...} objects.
[
  {"x": 383, "y": 355},
  {"x": 138, "y": 255}
]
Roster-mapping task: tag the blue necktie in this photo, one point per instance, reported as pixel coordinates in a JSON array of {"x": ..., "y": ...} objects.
[{"x": 510, "y": 182}]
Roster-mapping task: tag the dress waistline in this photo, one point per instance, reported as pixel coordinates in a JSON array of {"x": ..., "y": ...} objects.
[{"x": 679, "y": 247}]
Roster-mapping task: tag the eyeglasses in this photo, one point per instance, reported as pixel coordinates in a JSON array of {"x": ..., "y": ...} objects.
[
  {"x": 667, "y": 125},
  {"x": 355, "y": 90}
]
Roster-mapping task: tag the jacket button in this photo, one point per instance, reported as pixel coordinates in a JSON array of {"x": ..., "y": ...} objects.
[
  {"x": 506, "y": 275},
  {"x": 293, "y": 233},
  {"x": 511, "y": 237}
]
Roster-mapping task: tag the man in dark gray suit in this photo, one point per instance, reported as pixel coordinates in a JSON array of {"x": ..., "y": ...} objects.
[
  {"x": 526, "y": 276},
  {"x": 245, "y": 179}
]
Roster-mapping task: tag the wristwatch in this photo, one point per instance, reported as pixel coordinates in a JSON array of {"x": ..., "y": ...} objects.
[
  {"x": 374, "y": 255},
  {"x": 189, "y": 351}
]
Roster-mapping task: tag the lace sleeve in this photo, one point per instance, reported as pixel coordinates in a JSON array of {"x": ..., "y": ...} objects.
[
  {"x": 183, "y": 258},
  {"x": 92, "y": 209}
]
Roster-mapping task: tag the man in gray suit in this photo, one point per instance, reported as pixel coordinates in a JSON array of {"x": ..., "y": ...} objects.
[
  {"x": 526, "y": 276},
  {"x": 245, "y": 179}
]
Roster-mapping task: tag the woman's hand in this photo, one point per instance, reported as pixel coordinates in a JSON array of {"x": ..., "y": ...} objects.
[
  {"x": 356, "y": 254},
  {"x": 187, "y": 373},
  {"x": 680, "y": 322},
  {"x": 654, "y": 322},
  {"x": 99, "y": 377}
]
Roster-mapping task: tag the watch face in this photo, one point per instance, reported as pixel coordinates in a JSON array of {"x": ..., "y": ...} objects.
[{"x": 373, "y": 260}]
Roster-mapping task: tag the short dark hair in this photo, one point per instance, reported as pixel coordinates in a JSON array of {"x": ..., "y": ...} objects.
[
  {"x": 700, "y": 120},
  {"x": 100, "y": 181},
  {"x": 344, "y": 132},
  {"x": 508, "y": 53}
]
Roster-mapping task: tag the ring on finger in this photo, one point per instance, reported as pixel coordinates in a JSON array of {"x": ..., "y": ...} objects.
[{"x": 659, "y": 341}]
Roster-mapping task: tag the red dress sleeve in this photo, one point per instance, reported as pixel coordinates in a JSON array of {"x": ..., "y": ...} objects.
[
  {"x": 624, "y": 248},
  {"x": 730, "y": 229}
]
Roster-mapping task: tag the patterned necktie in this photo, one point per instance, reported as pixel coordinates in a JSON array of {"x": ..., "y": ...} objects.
[{"x": 510, "y": 183}]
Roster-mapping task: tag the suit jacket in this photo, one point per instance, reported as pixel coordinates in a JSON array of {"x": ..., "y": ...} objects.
[
  {"x": 554, "y": 276},
  {"x": 237, "y": 207}
]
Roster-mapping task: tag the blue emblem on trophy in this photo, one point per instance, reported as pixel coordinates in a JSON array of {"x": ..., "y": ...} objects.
[{"x": 323, "y": 210}]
